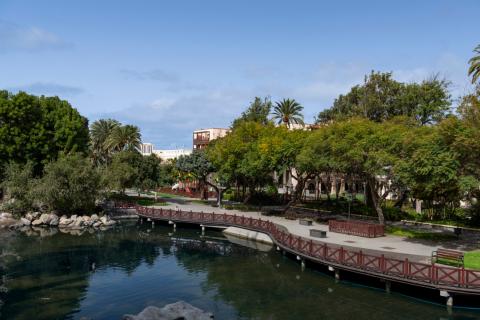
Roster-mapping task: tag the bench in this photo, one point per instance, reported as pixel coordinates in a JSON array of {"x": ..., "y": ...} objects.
[
  {"x": 449, "y": 255},
  {"x": 318, "y": 233},
  {"x": 305, "y": 222}
]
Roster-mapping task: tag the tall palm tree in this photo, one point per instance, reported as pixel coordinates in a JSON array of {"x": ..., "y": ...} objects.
[
  {"x": 474, "y": 69},
  {"x": 288, "y": 111},
  {"x": 100, "y": 130},
  {"x": 124, "y": 138}
]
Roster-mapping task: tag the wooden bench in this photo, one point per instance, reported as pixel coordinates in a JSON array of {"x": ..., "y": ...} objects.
[{"x": 449, "y": 255}]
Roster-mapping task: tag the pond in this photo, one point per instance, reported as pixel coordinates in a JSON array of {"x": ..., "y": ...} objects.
[{"x": 106, "y": 274}]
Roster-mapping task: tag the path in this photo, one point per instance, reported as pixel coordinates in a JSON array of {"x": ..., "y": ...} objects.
[{"x": 391, "y": 246}]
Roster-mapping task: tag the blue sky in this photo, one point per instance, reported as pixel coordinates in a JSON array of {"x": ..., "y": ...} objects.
[{"x": 174, "y": 66}]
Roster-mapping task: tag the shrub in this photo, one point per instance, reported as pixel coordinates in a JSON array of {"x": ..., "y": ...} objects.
[{"x": 69, "y": 185}]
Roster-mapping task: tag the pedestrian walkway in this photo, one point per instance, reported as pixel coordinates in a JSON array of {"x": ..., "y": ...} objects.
[{"x": 390, "y": 246}]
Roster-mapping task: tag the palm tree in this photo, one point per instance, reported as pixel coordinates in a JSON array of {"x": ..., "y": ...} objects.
[
  {"x": 100, "y": 130},
  {"x": 124, "y": 138},
  {"x": 474, "y": 69},
  {"x": 288, "y": 111}
]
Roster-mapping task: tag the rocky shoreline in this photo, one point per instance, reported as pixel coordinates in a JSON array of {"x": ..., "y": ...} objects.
[{"x": 41, "y": 220}]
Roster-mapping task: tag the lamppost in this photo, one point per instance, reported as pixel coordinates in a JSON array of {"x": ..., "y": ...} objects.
[{"x": 349, "y": 200}]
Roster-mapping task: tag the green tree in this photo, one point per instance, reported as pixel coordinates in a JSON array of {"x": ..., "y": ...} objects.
[
  {"x": 122, "y": 173},
  {"x": 100, "y": 131},
  {"x": 381, "y": 98},
  {"x": 199, "y": 166},
  {"x": 18, "y": 184},
  {"x": 288, "y": 112},
  {"x": 149, "y": 173},
  {"x": 69, "y": 185},
  {"x": 258, "y": 111},
  {"x": 37, "y": 129},
  {"x": 125, "y": 137},
  {"x": 474, "y": 69}
]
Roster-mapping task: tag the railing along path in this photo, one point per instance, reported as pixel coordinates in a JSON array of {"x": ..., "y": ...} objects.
[{"x": 428, "y": 275}]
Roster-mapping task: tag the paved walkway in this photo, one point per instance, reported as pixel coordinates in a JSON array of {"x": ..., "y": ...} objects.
[{"x": 391, "y": 246}]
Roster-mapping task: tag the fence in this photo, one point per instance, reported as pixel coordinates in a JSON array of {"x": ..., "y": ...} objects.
[
  {"x": 356, "y": 228},
  {"x": 403, "y": 270}
]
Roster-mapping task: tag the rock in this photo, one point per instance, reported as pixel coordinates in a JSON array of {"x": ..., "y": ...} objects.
[
  {"x": 6, "y": 215},
  {"x": 25, "y": 221},
  {"x": 45, "y": 218},
  {"x": 29, "y": 216},
  {"x": 97, "y": 224},
  {"x": 37, "y": 222},
  {"x": 86, "y": 218},
  {"x": 74, "y": 217},
  {"x": 94, "y": 217},
  {"x": 35, "y": 215},
  {"x": 54, "y": 219},
  {"x": 177, "y": 310},
  {"x": 104, "y": 219},
  {"x": 64, "y": 221},
  {"x": 78, "y": 223}
]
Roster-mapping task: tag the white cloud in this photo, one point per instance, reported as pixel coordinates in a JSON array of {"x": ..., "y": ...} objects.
[
  {"x": 154, "y": 74},
  {"x": 14, "y": 37}
]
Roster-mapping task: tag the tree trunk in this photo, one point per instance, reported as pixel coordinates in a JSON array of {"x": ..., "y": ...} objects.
[{"x": 375, "y": 200}]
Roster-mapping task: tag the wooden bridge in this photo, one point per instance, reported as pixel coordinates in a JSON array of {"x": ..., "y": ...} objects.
[{"x": 444, "y": 278}]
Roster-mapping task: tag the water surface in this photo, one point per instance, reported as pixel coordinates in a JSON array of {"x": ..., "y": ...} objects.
[{"x": 106, "y": 274}]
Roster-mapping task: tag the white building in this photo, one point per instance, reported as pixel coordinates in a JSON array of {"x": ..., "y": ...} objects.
[
  {"x": 171, "y": 154},
  {"x": 147, "y": 149}
]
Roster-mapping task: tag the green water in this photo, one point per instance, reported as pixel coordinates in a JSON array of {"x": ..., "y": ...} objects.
[{"x": 52, "y": 277}]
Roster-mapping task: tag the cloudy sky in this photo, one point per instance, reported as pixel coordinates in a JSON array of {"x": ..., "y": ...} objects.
[{"x": 174, "y": 66}]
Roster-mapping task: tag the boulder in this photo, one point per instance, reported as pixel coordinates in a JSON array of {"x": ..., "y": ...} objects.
[
  {"x": 64, "y": 221},
  {"x": 29, "y": 216},
  {"x": 78, "y": 223},
  {"x": 54, "y": 219},
  {"x": 97, "y": 224},
  {"x": 74, "y": 217},
  {"x": 177, "y": 310},
  {"x": 94, "y": 217},
  {"x": 45, "y": 218},
  {"x": 104, "y": 219},
  {"x": 6, "y": 215},
  {"x": 25, "y": 221},
  {"x": 37, "y": 222}
]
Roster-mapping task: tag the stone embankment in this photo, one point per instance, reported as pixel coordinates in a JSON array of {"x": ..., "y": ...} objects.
[{"x": 37, "y": 219}]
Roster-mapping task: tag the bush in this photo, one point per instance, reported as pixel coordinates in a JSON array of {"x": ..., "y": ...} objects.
[
  {"x": 19, "y": 184},
  {"x": 69, "y": 185}
]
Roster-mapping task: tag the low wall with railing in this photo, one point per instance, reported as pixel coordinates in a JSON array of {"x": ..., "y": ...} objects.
[
  {"x": 428, "y": 275},
  {"x": 357, "y": 228}
]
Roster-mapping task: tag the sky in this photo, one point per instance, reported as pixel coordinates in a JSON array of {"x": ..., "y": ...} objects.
[{"x": 171, "y": 67}]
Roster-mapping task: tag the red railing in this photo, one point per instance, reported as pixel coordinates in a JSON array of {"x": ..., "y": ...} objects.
[
  {"x": 356, "y": 228},
  {"x": 403, "y": 270}
]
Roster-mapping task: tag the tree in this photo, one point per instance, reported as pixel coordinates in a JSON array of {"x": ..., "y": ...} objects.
[
  {"x": 199, "y": 166},
  {"x": 122, "y": 173},
  {"x": 381, "y": 98},
  {"x": 18, "y": 184},
  {"x": 149, "y": 172},
  {"x": 288, "y": 112},
  {"x": 258, "y": 111},
  {"x": 69, "y": 185},
  {"x": 100, "y": 131},
  {"x": 37, "y": 129},
  {"x": 125, "y": 137},
  {"x": 474, "y": 69}
]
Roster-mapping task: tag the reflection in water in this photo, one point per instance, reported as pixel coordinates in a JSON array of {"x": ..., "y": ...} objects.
[{"x": 103, "y": 275}]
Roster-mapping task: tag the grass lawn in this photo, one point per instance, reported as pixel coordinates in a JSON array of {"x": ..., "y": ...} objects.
[
  {"x": 150, "y": 202},
  {"x": 472, "y": 260},
  {"x": 416, "y": 234}
]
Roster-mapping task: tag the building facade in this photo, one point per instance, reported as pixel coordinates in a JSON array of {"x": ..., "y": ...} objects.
[
  {"x": 170, "y": 154},
  {"x": 202, "y": 137}
]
